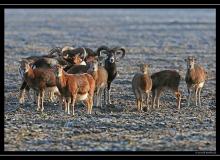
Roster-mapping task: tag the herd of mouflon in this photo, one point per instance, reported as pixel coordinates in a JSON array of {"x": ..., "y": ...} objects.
[{"x": 81, "y": 74}]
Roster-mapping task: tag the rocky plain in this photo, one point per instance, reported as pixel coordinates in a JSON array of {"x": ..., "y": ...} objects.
[{"x": 160, "y": 37}]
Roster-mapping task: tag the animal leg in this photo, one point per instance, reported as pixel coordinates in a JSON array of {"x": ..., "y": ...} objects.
[
  {"x": 73, "y": 103},
  {"x": 138, "y": 104},
  {"x": 38, "y": 101},
  {"x": 104, "y": 96},
  {"x": 189, "y": 96},
  {"x": 158, "y": 98},
  {"x": 21, "y": 96},
  {"x": 27, "y": 89},
  {"x": 51, "y": 95},
  {"x": 61, "y": 102},
  {"x": 196, "y": 94},
  {"x": 142, "y": 102},
  {"x": 68, "y": 105},
  {"x": 22, "y": 92},
  {"x": 98, "y": 97},
  {"x": 109, "y": 93},
  {"x": 42, "y": 100},
  {"x": 178, "y": 96},
  {"x": 153, "y": 98},
  {"x": 199, "y": 97},
  {"x": 148, "y": 95},
  {"x": 137, "y": 96},
  {"x": 90, "y": 104}
]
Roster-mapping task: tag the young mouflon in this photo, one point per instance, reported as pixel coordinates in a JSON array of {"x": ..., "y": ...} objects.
[
  {"x": 195, "y": 78},
  {"x": 141, "y": 85}
]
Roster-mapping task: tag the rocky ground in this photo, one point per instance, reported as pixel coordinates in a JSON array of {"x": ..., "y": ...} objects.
[{"x": 162, "y": 38}]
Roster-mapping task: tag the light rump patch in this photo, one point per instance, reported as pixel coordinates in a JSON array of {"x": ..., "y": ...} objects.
[{"x": 81, "y": 97}]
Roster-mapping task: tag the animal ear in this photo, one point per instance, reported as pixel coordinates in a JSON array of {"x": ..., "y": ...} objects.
[
  {"x": 102, "y": 50},
  {"x": 63, "y": 66},
  {"x": 119, "y": 53},
  {"x": 65, "y": 56},
  {"x": 23, "y": 60},
  {"x": 32, "y": 65},
  {"x": 20, "y": 61},
  {"x": 194, "y": 58}
]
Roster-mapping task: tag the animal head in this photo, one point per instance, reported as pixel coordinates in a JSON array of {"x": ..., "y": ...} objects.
[
  {"x": 144, "y": 68},
  {"x": 58, "y": 69},
  {"x": 56, "y": 50},
  {"x": 91, "y": 58},
  {"x": 77, "y": 59},
  {"x": 93, "y": 66},
  {"x": 190, "y": 62},
  {"x": 113, "y": 54},
  {"x": 24, "y": 67}
]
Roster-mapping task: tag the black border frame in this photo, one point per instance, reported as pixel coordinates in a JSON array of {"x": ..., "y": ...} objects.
[{"x": 106, "y": 153}]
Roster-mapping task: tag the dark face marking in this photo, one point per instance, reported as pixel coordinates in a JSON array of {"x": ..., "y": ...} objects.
[
  {"x": 111, "y": 57},
  {"x": 190, "y": 62}
]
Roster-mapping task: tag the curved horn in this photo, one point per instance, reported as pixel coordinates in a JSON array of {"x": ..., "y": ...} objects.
[
  {"x": 66, "y": 56},
  {"x": 55, "y": 50},
  {"x": 24, "y": 60},
  {"x": 65, "y": 50},
  {"x": 84, "y": 53},
  {"x": 101, "y": 49},
  {"x": 122, "y": 52}
]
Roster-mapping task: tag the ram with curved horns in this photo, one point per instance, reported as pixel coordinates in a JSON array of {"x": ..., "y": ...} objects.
[
  {"x": 68, "y": 53},
  {"x": 113, "y": 55}
]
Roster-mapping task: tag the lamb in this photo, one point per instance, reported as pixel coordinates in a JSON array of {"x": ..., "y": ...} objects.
[
  {"x": 110, "y": 63},
  {"x": 195, "y": 78},
  {"x": 100, "y": 76},
  {"x": 141, "y": 85},
  {"x": 166, "y": 79},
  {"x": 75, "y": 87},
  {"x": 38, "y": 79}
]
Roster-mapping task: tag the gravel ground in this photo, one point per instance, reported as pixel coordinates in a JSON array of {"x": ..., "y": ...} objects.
[{"x": 162, "y": 38}]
